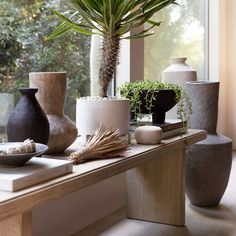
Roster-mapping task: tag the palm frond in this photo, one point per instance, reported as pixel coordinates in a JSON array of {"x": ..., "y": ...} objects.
[{"x": 112, "y": 18}]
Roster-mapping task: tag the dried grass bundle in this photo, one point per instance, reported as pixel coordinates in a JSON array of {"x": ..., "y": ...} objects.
[{"x": 104, "y": 143}]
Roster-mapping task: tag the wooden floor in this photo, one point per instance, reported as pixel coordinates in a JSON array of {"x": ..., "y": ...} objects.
[{"x": 217, "y": 221}]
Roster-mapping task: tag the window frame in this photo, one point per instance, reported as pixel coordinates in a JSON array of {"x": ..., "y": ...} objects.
[{"x": 135, "y": 50}]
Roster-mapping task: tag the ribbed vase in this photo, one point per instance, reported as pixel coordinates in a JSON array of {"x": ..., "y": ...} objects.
[
  {"x": 209, "y": 161},
  {"x": 51, "y": 96}
]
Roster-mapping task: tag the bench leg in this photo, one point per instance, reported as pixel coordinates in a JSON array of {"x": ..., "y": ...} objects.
[
  {"x": 156, "y": 190},
  {"x": 18, "y": 225}
]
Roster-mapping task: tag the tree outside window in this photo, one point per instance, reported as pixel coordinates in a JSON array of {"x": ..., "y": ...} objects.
[{"x": 23, "y": 48}]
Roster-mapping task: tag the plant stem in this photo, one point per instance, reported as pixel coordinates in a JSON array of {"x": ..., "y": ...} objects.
[{"x": 109, "y": 60}]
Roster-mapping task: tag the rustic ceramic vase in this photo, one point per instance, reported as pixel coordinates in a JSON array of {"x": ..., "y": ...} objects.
[
  {"x": 209, "y": 161},
  {"x": 51, "y": 96},
  {"x": 178, "y": 72},
  {"x": 28, "y": 120}
]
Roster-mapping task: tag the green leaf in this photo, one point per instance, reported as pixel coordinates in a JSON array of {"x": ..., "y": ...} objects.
[
  {"x": 86, "y": 14},
  {"x": 70, "y": 25},
  {"x": 82, "y": 30},
  {"x": 106, "y": 13},
  {"x": 124, "y": 29},
  {"x": 61, "y": 29},
  {"x": 138, "y": 36},
  {"x": 93, "y": 5},
  {"x": 112, "y": 25},
  {"x": 120, "y": 12},
  {"x": 62, "y": 17}
]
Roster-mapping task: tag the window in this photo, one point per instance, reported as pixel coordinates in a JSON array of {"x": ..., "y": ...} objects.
[
  {"x": 183, "y": 33},
  {"x": 23, "y": 49}
]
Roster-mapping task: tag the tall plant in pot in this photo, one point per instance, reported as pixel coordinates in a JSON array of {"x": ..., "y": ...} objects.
[{"x": 112, "y": 20}]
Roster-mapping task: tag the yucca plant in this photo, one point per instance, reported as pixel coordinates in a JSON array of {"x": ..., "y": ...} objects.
[{"x": 111, "y": 19}]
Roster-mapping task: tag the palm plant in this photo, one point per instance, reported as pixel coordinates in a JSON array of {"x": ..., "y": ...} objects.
[{"x": 111, "y": 19}]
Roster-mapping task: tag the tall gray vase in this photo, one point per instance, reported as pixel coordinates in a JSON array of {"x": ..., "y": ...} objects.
[{"x": 209, "y": 161}]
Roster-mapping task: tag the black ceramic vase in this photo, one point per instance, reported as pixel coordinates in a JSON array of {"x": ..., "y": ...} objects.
[{"x": 28, "y": 120}]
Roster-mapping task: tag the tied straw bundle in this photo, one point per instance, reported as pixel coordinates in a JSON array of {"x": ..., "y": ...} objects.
[{"x": 104, "y": 143}]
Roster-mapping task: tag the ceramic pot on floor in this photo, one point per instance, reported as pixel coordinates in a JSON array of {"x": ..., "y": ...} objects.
[
  {"x": 209, "y": 161},
  {"x": 51, "y": 96}
]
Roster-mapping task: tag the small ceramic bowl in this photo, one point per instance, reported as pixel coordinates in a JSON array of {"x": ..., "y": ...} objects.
[
  {"x": 148, "y": 135},
  {"x": 17, "y": 160}
]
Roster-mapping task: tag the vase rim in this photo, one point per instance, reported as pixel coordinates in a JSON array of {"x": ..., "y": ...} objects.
[
  {"x": 28, "y": 90},
  {"x": 179, "y": 59},
  {"x": 105, "y": 99},
  {"x": 202, "y": 82},
  {"x": 49, "y": 72}
]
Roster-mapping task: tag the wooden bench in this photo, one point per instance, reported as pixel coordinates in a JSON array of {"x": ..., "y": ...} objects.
[{"x": 155, "y": 185}]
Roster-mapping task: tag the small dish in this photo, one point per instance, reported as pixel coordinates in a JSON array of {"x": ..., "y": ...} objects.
[{"x": 19, "y": 159}]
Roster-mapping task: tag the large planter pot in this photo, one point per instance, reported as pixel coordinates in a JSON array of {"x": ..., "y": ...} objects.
[
  {"x": 178, "y": 72},
  {"x": 51, "y": 96},
  {"x": 91, "y": 112},
  {"x": 209, "y": 161},
  {"x": 28, "y": 120}
]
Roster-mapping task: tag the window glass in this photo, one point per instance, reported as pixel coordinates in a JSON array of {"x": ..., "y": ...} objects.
[
  {"x": 23, "y": 49},
  {"x": 182, "y": 33}
]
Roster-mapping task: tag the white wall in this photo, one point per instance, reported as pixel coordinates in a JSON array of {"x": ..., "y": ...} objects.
[
  {"x": 227, "y": 67},
  {"x": 69, "y": 214}
]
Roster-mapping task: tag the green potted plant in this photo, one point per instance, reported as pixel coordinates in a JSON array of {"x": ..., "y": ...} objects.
[
  {"x": 156, "y": 98},
  {"x": 112, "y": 20}
]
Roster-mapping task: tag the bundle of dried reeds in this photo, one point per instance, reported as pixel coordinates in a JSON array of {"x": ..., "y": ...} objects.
[{"x": 104, "y": 143}]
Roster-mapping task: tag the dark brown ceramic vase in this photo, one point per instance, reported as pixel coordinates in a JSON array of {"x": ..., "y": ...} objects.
[{"x": 28, "y": 120}]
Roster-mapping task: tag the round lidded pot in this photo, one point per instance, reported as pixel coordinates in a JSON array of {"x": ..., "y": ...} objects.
[{"x": 149, "y": 135}]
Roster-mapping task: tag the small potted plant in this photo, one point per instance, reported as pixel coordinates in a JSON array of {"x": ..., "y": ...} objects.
[
  {"x": 156, "y": 98},
  {"x": 112, "y": 20}
]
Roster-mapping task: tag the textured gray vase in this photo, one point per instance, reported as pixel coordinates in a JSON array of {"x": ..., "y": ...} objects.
[{"x": 209, "y": 161}]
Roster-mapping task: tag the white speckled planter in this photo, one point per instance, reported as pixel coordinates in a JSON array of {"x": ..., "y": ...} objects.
[{"x": 92, "y": 112}]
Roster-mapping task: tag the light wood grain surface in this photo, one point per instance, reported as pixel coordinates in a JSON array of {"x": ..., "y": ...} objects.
[
  {"x": 18, "y": 225},
  {"x": 83, "y": 175},
  {"x": 156, "y": 190}
]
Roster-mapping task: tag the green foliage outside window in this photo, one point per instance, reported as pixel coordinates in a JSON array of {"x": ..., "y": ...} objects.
[{"x": 23, "y": 48}]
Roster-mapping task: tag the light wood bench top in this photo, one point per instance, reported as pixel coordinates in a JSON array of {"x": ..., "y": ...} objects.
[{"x": 89, "y": 173}]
